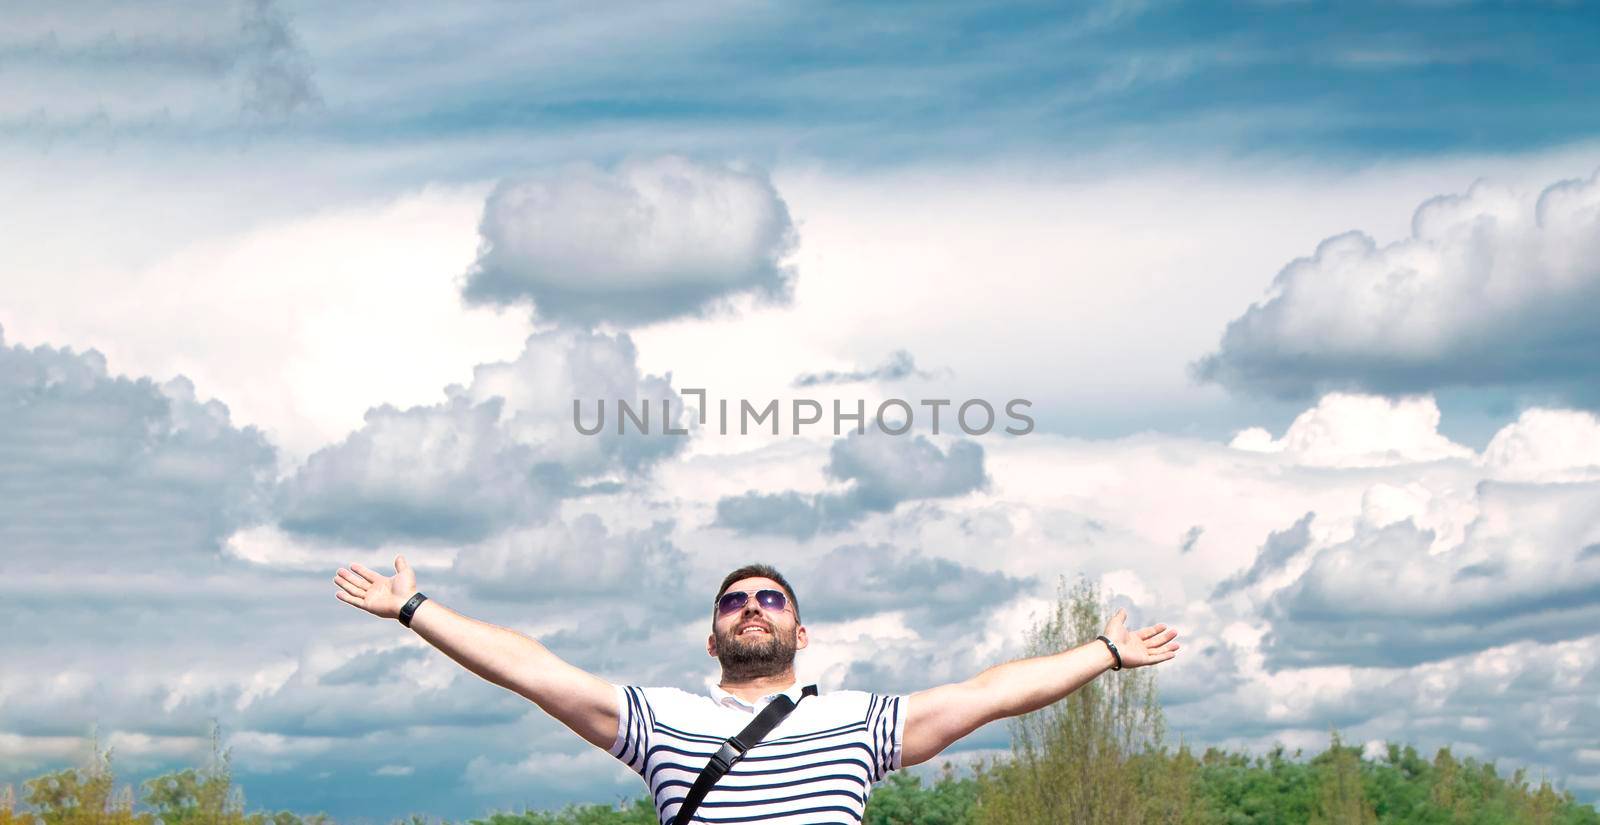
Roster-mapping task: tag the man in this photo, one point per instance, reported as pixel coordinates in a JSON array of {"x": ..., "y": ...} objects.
[{"x": 818, "y": 764}]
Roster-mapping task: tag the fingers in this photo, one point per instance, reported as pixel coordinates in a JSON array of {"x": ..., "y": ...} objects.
[
  {"x": 401, "y": 565},
  {"x": 1159, "y": 647},
  {"x": 1162, "y": 642},
  {"x": 1156, "y": 635},
  {"x": 347, "y": 598},
  {"x": 353, "y": 584},
  {"x": 1146, "y": 632},
  {"x": 1157, "y": 656},
  {"x": 369, "y": 575}
]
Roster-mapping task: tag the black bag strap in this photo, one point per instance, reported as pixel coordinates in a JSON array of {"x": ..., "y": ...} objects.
[{"x": 733, "y": 750}]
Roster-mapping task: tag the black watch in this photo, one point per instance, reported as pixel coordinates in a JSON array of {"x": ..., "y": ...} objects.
[
  {"x": 410, "y": 608},
  {"x": 1114, "y": 654}
]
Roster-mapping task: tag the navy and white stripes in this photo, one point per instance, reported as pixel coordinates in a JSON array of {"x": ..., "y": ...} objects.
[{"x": 817, "y": 766}]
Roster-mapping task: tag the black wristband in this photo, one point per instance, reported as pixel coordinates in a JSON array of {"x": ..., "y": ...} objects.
[
  {"x": 410, "y": 608},
  {"x": 1114, "y": 654}
]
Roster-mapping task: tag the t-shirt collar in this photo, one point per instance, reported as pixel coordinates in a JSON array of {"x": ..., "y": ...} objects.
[{"x": 729, "y": 700}]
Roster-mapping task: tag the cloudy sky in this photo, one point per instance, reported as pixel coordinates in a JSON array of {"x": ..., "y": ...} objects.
[{"x": 1299, "y": 300}]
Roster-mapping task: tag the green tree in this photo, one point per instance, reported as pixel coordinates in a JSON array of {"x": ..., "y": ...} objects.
[
  {"x": 208, "y": 796},
  {"x": 1542, "y": 806},
  {"x": 1341, "y": 798},
  {"x": 902, "y": 799},
  {"x": 1070, "y": 761},
  {"x": 1168, "y": 784},
  {"x": 1240, "y": 790},
  {"x": 81, "y": 796},
  {"x": 1397, "y": 785},
  {"x": 641, "y": 811},
  {"x": 1447, "y": 792},
  {"x": 203, "y": 796}
]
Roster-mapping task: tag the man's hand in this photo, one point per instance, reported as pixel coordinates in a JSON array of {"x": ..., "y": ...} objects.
[
  {"x": 939, "y": 716},
  {"x": 583, "y": 702},
  {"x": 380, "y": 595},
  {"x": 1145, "y": 646}
]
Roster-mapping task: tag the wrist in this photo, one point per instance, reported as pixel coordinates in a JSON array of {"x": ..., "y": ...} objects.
[
  {"x": 1111, "y": 658},
  {"x": 409, "y": 609}
]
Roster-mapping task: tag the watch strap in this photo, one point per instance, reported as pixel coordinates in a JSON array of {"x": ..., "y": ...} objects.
[
  {"x": 410, "y": 608},
  {"x": 1114, "y": 654}
]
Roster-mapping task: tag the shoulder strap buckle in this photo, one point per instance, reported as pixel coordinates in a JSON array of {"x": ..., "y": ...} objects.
[
  {"x": 725, "y": 756},
  {"x": 734, "y": 749}
]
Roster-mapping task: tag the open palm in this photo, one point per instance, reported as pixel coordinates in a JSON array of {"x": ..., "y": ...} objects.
[
  {"x": 1145, "y": 646},
  {"x": 380, "y": 595}
]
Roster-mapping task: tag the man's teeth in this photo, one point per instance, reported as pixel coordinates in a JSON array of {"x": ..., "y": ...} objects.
[{"x": 752, "y": 629}]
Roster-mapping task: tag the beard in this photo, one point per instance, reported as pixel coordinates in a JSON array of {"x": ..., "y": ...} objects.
[{"x": 754, "y": 657}]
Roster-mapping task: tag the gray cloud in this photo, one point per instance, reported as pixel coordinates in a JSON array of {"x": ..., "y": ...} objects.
[
  {"x": 1281, "y": 546},
  {"x": 855, "y": 580},
  {"x": 649, "y": 240},
  {"x": 897, "y": 367},
  {"x": 1491, "y": 289},
  {"x": 174, "y": 61},
  {"x": 496, "y": 454},
  {"x": 782, "y": 514},
  {"x": 447, "y": 472},
  {"x": 579, "y": 559},
  {"x": 1383, "y": 599},
  {"x": 373, "y": 669},
  {"x": 1191, "y": 537},
  {"x": 115, "y": 497},
  {"x": 881, "y": 470},
  {"x": 889, "y": 469},
  {"x": 275, "y": 69},
  {"x": 91, "y": 461},
  {"x": 1210, "y": 668}
]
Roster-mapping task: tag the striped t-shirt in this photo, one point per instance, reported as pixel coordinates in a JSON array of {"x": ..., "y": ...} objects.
[{"x": 817, "y": 766}]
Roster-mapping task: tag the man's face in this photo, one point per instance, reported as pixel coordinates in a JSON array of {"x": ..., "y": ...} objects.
[{"x": 753, "y": 642}]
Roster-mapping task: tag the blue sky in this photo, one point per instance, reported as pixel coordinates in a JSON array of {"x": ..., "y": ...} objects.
[
  {"x": 891, "y": 83},
  {"x": 1299, "y": 293}
]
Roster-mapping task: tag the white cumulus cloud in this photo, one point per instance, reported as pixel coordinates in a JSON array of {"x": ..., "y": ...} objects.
[
  {"x": 648, "y": 240},
  {"x": 1494, "y": 287}
]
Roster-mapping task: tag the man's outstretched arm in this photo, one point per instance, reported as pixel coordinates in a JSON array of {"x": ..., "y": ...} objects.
[
  {"x": 580, "y": 700},
  {"x": 937, "y": 717}
]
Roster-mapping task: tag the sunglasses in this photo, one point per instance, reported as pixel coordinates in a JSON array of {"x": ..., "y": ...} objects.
[{"x": 772, "y": 600}]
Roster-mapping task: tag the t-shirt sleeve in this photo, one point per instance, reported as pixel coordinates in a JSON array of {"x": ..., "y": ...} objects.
[
  {"x": 635, "y": 720},
  {"x": 886, "y": 727}
]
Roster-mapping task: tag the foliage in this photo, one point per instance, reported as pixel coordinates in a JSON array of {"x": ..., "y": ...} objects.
[
  {"x": 903, "y": 800},
  {"x": 74, "y": 797},
  {"x": 1216, "y": 788},
  {"x": 639, "y": 812},
  {"x": 1341, "y": 799},
  {"x": 87, "y": 796},
  {"x": 1073, "y": 761}
]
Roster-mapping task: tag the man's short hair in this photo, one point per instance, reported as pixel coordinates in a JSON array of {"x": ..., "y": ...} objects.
[{"x": 764, "y": 571}]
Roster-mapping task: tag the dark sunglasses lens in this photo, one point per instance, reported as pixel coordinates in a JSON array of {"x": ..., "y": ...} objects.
[
  {"x": 771, "y": 600},
  {"x": 731, "y": 602}
]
